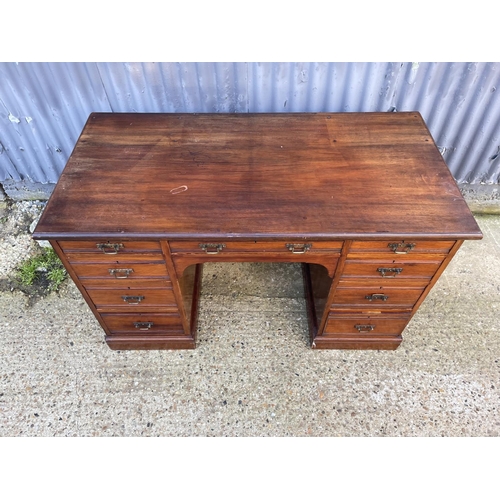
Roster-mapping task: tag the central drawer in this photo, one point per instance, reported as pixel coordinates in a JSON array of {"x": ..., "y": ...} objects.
[
  {"x": 187, "y": 252},
  {"x": 291, "y": 247}
]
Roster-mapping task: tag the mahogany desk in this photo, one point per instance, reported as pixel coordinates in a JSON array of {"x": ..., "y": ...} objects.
[{"x": 363, "y": 200}]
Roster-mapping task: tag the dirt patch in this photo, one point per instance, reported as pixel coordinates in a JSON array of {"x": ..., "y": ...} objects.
[
  {"x": 40, "y": 288},
  {"x": 17, "y": 246}
]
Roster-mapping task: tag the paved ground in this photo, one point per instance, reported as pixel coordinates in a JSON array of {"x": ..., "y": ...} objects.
[{"x": 253, "y": 373}]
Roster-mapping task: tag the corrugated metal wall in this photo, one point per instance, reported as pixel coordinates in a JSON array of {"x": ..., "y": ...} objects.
[{"x": 43, "y": 106}]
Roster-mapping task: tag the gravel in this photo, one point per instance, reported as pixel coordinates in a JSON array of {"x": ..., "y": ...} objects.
[{"x": 16, "y": 244}]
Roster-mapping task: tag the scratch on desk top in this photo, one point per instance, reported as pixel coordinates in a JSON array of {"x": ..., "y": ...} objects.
[{"x": 178, "y": 190}]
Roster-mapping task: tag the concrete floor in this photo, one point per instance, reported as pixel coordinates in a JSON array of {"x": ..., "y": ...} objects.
[{"x": 253, "y": 373}]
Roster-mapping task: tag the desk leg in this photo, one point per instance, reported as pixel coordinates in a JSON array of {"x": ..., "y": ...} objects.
[
  {"x": 190, "y": 286},
  {"x": 312, "y": 316}
]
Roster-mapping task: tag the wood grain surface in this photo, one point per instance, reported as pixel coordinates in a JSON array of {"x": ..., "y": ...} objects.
[{"x": 319, "y": 175}]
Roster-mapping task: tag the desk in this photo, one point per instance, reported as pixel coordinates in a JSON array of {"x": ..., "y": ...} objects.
[{"x": 363, "y": 200}]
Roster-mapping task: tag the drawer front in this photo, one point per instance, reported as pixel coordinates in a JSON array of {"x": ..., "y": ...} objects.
[
  {"x": 130, "y": 299},
  {"x": 110, "y": 247},
  {"x": 390, "y": 270},
  {"x": 121, "y": 271},
  {"x": 382, "y": 342},
  {"x": 410, "y": 258},
  {"x": 125, "y": 284},
  {"x": 376, "y": 296},
  {"x": 117, "y": 252},
  {"x": 365, "y": 325},
  {"x": 291, "y": 247},
  {"x": 403, "y": 247},
  {"x": 123, "y": 258},
  {"x": 144, "y": 323},
  {"x": 357, "y": 282}
]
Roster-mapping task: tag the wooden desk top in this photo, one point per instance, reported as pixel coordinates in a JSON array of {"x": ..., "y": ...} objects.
[{"x": 308, "y": 175}]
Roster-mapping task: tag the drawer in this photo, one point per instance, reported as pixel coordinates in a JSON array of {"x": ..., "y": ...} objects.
[
  {"x": 365, "y": 325},
  {"x": 111, "y": 247},
  {"x": 130, "y": 299},
  {"x": 144, "y": 323},
  {"x": 392, "y": 258},
  {"x": 402, "y": 247},
  {"x": 121, "y": 271},
  {"x": 292, "y": 247},
  {"x": 390, "y": 270},
  {"x": 381, "y": 342},
  {"x": 112, "y": 251},
  {"x": 355, "y": 282},
  {"x": 125, "y": 258},
  {"x": 376, "y": 296},
  {"x": 125, "y": 284}
]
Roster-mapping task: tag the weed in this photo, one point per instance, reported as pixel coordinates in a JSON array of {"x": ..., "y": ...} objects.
[{"x": 45, "y": 268}]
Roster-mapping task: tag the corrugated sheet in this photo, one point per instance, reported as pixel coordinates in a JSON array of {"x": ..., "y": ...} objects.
[{"x": 43, "y": 106}]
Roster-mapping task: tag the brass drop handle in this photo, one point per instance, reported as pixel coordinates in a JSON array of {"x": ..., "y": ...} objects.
[
  {"x": 298, "y": 247},
  {"x": 143, "y": 325},
  {"x": 212, "y": 248},
  {"x": 377, "y": 296},
  {"x": 120, "y": 273},
  {"x": 395, "y": 247},
  {"x": 133, "y": 299},
  {"x": 113, "y": 246},
  {"x": 364, "y": 328},
  {"x": 384, "y": 270}
]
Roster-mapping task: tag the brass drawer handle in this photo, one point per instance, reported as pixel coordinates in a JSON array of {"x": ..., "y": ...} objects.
[
  {"x": 298, "y": 247},
  {"x": 133, "y": 299},
  {"x": 113, "y": 246},
  {"x": 364, "y": 328},
  {"x": 384, "y": 270},
  {"x": 120, "y": 273},
  {"x": 395, "y": 247},
  {"x": 143, "y": 325},
  {"x": 212, "y": 248},
  {"x": 375, "y": 296}
]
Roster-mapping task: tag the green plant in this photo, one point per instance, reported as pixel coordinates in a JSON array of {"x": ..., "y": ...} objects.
[{"x": 45, "y": 266}]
